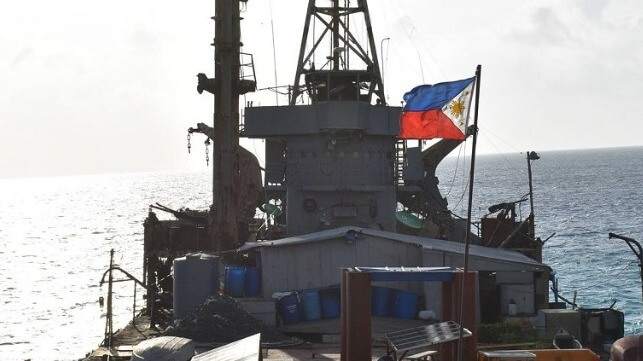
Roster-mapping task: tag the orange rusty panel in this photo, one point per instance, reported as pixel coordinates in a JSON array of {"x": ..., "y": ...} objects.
[
  {"x": 565, "y": 355},
  {"x": 495, "y": 230},
  {"x": 342, "y": 315},
  {"x": 356, "y": 316},
  {"x": 451, "y": 295},
  {"x": 174, "y": 238}
]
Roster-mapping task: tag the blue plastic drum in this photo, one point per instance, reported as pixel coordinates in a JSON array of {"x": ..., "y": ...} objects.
[
  {"x": 235, "y": 281},
  {"x": 290, "y": 309},
  {"x": 380, "y": 301},
  {"x": 252, "y": 282},
  {"x": 404, "y": 304},
  {"x": 330, "y": 302},
  {"x": 311, "y": 304}
]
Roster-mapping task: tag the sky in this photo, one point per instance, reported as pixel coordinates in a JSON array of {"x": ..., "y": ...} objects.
[{"x": 104, "y": 87}]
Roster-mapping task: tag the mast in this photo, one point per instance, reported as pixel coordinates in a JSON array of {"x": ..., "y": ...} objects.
[
  {"x": 225, "y": 190},
  {"x": 469, "y": 208},
  {"x": 335, "y": 77},
  {"x": 531, "y": 156}
]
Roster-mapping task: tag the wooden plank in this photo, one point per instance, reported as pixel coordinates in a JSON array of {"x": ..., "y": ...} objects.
[
  {"x": 401, "y": 250},
  {"x": 287, "y": 255},
  {"x": 344, "y": 257},
  {"x": 384, "y": 252},
  {"x": 307, "y": 263},
  {"x": 362, "y": 254},
  {"x": 335, "y": 262},
  {"x": 329, "y": 274},
  {"x": 269, "y": 272},
  {"x": 414, "y": 258}
]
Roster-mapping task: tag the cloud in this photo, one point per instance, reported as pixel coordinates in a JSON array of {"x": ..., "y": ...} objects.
[
  {"x": 142, "y": 39},
  {"x": 547, "y": 29},
  {"x": 594, "y": 9},
  {"x": 20, "y": 57}
]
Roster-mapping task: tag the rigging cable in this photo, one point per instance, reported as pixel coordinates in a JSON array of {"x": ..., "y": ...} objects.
[
  {"x": 359, "y": 32},
  {"x": 421, "y": 66},
  {"x": 414, "y": 40},
  {"x": 464, "y": 174},
  {"x": 402, "y": 59},
  {"x": 507, "y": 161},
  {"x": 597, "y": 285},
  {"x": 496, "y": 148},
  {"x": 455, "y": 171},
  {"x": 502, "y": 140},
  {"x": 274, "y": 52},
  {"x": 426, "y": 48}
]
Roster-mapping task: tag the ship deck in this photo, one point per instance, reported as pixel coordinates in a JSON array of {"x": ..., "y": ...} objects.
[
  {"x": 126, "y": 338},
  {"x": 329, "y": 348}
]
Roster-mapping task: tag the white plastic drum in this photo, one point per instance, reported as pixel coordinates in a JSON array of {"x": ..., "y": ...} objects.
[{"x": 196, "y": 277}]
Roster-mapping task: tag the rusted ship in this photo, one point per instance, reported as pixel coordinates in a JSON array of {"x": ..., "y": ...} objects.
[{"x": 339, "y": 191}]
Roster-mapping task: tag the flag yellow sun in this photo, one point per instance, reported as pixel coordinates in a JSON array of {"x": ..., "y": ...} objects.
[{"x": 457, "y": 108}]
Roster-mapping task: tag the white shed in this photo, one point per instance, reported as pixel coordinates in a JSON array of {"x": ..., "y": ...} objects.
[{"x": 314, "y": 260}]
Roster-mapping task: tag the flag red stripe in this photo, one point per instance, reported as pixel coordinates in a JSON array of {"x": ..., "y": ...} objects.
[{"x": 428, "y": 125}]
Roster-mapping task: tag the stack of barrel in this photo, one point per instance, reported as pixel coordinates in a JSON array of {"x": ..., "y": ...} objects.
[
  {"x": 196, "y": 277},
  {"x": 388, "y": 302},
  {"x": 242, "y": 282},
  {"x": 310, "y": 305},
  {"x": 315, "y": 304}
]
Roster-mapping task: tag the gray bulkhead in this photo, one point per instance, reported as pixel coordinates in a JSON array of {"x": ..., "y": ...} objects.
[{"x": 336, "y": 168}]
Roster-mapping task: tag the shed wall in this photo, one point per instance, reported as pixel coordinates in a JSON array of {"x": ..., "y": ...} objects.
[
  {"x": 317, "y": 264},
  {"x": 510, "y": 275}
]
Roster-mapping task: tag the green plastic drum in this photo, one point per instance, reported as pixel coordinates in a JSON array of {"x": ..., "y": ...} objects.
[
  {"x": 409, "y": 220},
  {"x": 271, "y": 209}
]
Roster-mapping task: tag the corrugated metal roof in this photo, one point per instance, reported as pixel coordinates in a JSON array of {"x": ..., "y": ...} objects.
[{"x": 427, "y": 243}]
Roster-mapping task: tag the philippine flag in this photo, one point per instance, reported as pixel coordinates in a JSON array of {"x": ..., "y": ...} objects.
[{"x": 437, "y": 111}]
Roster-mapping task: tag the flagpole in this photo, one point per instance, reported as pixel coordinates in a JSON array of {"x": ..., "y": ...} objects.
[{"x": 467, "y": 235}]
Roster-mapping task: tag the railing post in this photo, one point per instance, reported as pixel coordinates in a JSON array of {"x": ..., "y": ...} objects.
[{"x": 108, "y": 320}]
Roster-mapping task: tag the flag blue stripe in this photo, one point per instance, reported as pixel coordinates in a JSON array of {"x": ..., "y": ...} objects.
[{"x": 428, "y": 97}]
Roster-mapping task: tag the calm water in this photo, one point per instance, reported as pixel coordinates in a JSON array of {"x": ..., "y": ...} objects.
[
  {"x": 56, "y": 235},
  {"x": 582, "y": 196},
  {"x": 57, "y": 232}
]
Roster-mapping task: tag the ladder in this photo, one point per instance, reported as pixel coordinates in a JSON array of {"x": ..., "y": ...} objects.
[{"x": 400, "y": 155}]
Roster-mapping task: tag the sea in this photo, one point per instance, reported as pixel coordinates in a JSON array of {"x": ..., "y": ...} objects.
[{"x": 56, "y": 235}]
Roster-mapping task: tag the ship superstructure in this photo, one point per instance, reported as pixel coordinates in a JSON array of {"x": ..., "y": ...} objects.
[{"x": 332, "y": 155}]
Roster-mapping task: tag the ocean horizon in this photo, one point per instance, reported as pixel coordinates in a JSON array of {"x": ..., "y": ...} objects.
[{"x": 22, "y": 174}]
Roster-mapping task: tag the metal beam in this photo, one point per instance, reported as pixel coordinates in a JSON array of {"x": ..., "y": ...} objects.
[{"x": 225, "y": 231}]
